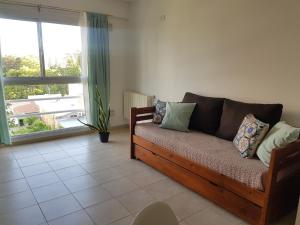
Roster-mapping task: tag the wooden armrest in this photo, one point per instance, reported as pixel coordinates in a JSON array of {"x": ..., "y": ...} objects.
[
  {"x": 287, "y": 155},
  {"x": 138, "y": 114},
  {"x": 143, "y": 110},
  {"x": 285, "y": 163}
]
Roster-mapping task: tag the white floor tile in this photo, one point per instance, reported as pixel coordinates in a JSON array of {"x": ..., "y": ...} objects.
[
  {"x": 13, "y": 187},
  {"x": 80, "y": 183},
  {"x": 77, "y": 218},
  {"x": 50, "y": 191},
  {"x": 120, "y": 187},
  {"x": 28, "y": 216},
  {"x": 107, "y": 212},
  {"x": 59, "y": 207},
  {"x": 14, "y": 202},
  {"x": 70, "y": 172},
  {"x": 29, "y": 171},
  {"x": 42, "y": 180}
]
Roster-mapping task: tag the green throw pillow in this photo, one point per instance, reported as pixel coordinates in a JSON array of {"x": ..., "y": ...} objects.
[
  {"x": 279, "y": 136},
  {"x": 178, "y": 116}
]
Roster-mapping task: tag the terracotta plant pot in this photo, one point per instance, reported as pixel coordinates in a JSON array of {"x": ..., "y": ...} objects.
[{"x": 104, "y": 136}]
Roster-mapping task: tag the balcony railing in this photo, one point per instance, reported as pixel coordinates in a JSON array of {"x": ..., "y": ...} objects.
[
  {"x": 41, "y": 99},
  {"x": 26, "y": 115}
]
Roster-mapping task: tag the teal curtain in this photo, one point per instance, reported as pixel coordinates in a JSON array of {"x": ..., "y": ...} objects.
[
  {"x": 98, "y": 62},
  {"x": 4, "y": 133}
]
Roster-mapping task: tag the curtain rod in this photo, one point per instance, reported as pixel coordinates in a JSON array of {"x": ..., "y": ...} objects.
[{"x": 39, "y": 6}]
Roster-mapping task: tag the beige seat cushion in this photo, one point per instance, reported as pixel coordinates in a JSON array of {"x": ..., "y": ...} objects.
[{"x": 214, "y": 153}]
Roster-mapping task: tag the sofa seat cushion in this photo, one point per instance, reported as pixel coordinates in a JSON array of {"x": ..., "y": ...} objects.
[{"x": 214, "y": 153}]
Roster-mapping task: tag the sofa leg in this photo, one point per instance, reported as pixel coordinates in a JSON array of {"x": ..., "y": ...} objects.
[
  {"x": 264, "y": 218},
  {"x": 132, "y": 151}
]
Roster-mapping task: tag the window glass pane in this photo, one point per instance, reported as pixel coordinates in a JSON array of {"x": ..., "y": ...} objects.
[
  {"x": 19, "y": 48},
  {"x": 62, "y": 48},
  {"x": 37, "y": 108}
]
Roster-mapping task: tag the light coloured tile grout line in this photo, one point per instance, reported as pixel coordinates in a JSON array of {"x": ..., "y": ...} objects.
[
  {"x": 100, "y": 185},
  {"x": 35, "y": 199},
  {"x": 75, "y": 200},
  {"x": 54, "y": 171},
  {"x": 31, "y": 189},
  {"x": 3, "y": 182}
]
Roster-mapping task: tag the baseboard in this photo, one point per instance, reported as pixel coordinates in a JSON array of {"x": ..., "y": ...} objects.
[
  {"x": 119, "y": 127},
  {"x": 51, "y": 137}
]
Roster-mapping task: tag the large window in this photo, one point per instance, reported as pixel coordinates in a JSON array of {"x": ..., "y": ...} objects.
[
  {"x": 62, "y": 46},
  {"x": 19, "y": 48},
  {"x": 41, "y": 66}
]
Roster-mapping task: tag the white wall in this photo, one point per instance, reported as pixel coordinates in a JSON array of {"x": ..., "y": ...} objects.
[
  {"x": 111, "y": 7},
  {"x": 245, "y": 50},
  {"x": 119, "y": 39}
]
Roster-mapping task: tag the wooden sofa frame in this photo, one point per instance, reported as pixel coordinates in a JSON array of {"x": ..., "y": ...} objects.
[{"x": 282, "y": 183}]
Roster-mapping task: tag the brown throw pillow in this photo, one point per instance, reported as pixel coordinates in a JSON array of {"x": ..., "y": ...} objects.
[
  {"x": 234, "y": 113},
  {"x": 207, "y": 113}
]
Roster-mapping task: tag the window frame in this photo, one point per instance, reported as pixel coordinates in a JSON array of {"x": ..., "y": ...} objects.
[{"x": 42, "y": 79}]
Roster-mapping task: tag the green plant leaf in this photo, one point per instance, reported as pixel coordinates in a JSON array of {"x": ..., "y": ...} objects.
[
  {"x": 89, "y": 125},
  {"x": 103, "y": 117}
]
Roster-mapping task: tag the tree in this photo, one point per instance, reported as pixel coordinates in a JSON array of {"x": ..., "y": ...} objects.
[
  {"x": 72, "y": 67},
  {"x": 32, "y": 124},
  {"x": 10, "y": 121},
  {"x": 26, "y": 66},
  {"x": 29, "y": 66}
]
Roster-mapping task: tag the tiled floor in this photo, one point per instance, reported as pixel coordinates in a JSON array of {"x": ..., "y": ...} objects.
[{"x": 78, "y": 181}]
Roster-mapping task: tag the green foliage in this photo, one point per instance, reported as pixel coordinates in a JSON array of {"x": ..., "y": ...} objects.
[
  {"x": 72, "y": 67},
  {"x": 10, "y": 121},
  {"x": 32, "y": 124},
  {"x": 30, "y": 120},
  {"x": 29, "y": 66},
  {"x": 26, "y": 66},
  {"x": 23, "y": 91},
  {"x": 103, "y": 116}
]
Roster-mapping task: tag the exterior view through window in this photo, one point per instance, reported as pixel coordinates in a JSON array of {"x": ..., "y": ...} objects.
[{"x": 41, "y": 70}]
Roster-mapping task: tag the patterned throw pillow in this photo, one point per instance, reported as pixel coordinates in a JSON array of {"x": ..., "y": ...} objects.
[
  {"x": 250, "y": 135},
  {"x": 160, "y": 111}
]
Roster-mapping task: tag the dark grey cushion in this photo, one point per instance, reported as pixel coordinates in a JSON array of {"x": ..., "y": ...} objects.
[{"x": 207, "y": 113}]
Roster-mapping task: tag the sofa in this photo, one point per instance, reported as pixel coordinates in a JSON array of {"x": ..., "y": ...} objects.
[{"x": 206, "y": 161}]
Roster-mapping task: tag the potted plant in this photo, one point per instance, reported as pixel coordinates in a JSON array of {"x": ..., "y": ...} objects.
[{"x": 103, "y": 120}]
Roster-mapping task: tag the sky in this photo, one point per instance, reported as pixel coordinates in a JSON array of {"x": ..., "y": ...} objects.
[{"x": 19, "y": 38}]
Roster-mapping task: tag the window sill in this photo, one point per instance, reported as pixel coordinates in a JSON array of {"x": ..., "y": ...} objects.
[{"x": 49, "y": 135}]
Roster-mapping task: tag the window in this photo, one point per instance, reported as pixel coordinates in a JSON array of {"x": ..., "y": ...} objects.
[
  {"x": 62, "y": 50},
  {"x": 41, "y": 66},
  {"x": 19, "y": 48}
]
